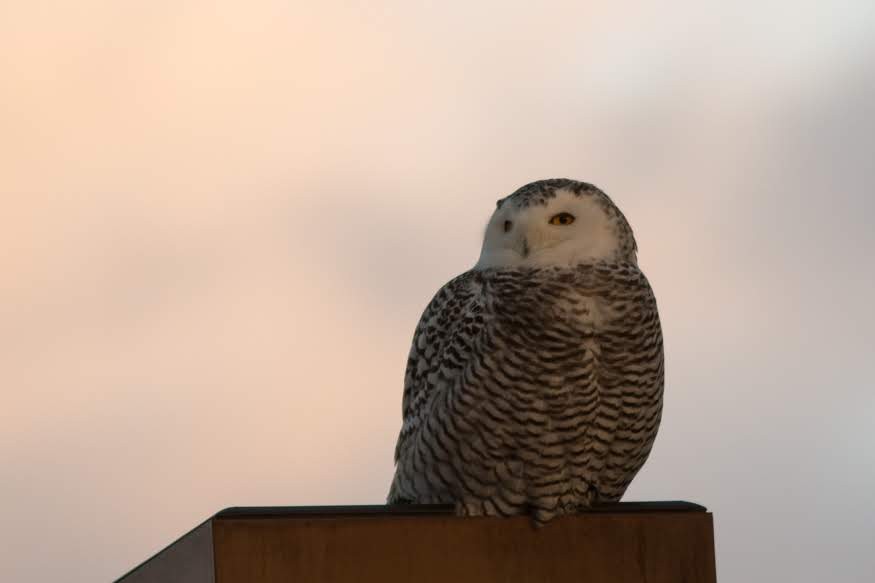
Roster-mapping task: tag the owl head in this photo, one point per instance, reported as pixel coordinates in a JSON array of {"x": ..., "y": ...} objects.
[{"x": 557, "y": 222}]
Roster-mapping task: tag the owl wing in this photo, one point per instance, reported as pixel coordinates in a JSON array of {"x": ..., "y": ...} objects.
[{"x": 441, "y": 348}]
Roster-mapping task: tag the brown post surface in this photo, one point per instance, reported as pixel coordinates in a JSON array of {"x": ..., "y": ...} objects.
[{"x": 611, "y": 547}]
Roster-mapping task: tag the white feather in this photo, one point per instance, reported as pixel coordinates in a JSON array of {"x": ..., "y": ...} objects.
[{"x": 533, "y": 242}]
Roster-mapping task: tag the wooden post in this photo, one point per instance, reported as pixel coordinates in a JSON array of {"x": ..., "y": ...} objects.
[{"x": 634, "y": 542}]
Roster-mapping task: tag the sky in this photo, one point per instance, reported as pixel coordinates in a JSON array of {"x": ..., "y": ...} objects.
[{"x": 221, "y": 221}]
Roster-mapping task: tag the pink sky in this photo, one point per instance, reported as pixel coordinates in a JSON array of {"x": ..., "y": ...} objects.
[{"x": 221, "y": 221}]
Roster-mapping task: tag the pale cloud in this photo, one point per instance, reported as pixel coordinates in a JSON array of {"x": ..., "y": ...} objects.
[{"x": 221, "y": 223}]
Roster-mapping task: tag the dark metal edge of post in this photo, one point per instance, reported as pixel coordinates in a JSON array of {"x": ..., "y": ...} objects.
[
  {"x": 165, "y": 548},
  {"x": 428, "y": 510}
]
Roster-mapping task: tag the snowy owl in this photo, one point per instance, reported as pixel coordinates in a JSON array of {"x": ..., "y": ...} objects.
[{"x": 534, "y": 382}]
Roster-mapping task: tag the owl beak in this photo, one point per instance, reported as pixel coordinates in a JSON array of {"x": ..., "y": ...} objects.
[{"x": 522, "y": 247}]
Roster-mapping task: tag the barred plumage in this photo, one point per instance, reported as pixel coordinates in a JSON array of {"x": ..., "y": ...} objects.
[{"x": 534, "y": 384}]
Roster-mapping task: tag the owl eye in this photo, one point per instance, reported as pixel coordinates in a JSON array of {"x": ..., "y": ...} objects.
[{"x": 562, "y": 219}]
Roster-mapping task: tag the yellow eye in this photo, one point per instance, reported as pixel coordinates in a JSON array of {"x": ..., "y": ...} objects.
[{"x": 562, "y": 219}]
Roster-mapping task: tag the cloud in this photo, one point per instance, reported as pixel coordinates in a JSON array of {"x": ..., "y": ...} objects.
[{"x": 221, "y": 225}]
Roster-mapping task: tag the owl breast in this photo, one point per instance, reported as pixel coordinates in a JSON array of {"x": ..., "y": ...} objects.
[{"x": 533, "y": 390}]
